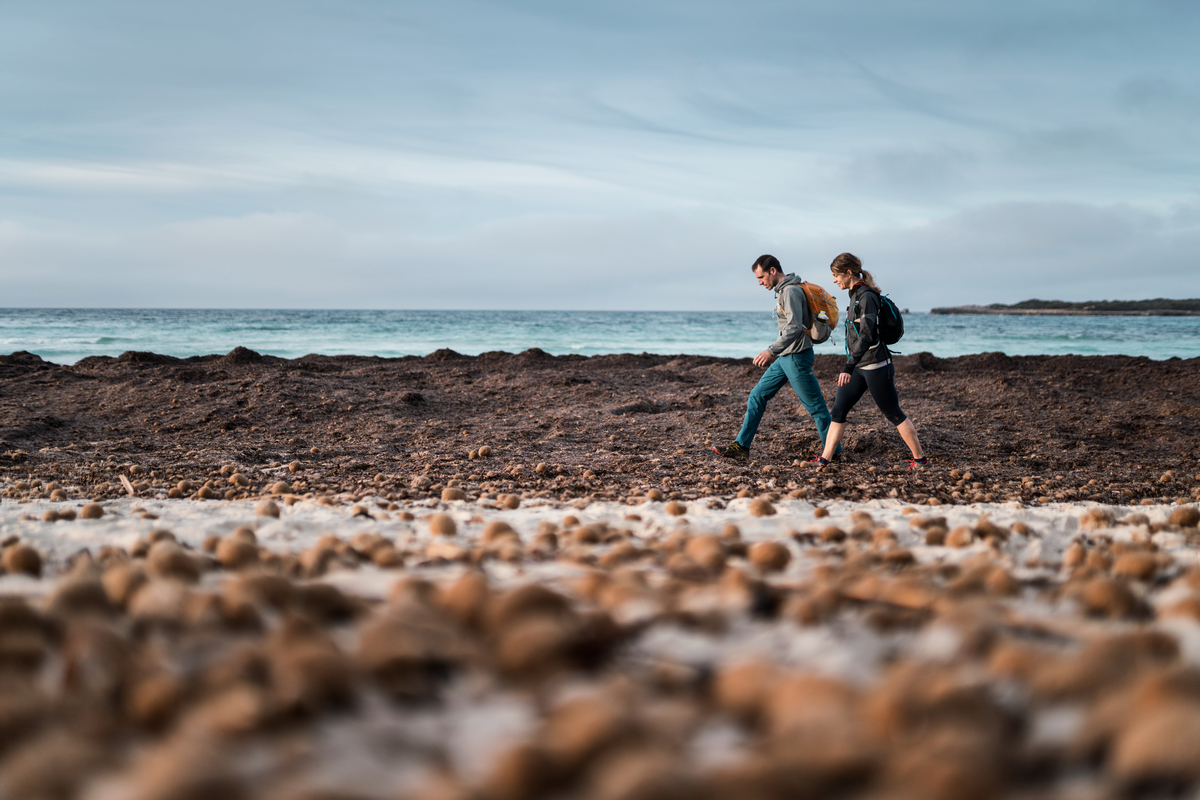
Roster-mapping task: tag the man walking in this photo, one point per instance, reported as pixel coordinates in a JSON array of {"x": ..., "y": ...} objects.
[{"x": 790, "y": 359}]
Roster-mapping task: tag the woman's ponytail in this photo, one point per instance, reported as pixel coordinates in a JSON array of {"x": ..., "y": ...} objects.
[{"x": 848, "y": 262}]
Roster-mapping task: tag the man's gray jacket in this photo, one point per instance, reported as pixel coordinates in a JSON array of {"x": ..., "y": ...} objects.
[{"x": 793, "y": 317}]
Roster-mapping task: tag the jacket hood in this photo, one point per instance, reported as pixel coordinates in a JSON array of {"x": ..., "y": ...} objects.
[{"x": 788, "y": 280}]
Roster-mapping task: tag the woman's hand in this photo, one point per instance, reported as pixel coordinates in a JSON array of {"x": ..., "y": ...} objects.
[{"x": 843, "y": 378}]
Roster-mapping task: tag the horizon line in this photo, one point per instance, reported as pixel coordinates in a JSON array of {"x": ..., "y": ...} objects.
[{"x": 504, "y": 310}]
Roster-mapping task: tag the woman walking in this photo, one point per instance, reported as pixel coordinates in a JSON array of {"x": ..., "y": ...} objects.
[{"x": 868, "y": 363}]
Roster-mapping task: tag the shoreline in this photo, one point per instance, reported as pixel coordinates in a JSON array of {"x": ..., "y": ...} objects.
[{"x": 66, "y": 340}]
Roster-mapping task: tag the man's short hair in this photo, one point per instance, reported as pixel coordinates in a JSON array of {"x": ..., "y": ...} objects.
[{"x": 766, "y": 264}]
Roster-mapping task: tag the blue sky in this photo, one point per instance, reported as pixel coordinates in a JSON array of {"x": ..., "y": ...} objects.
[{"x": 608, "y": 155}]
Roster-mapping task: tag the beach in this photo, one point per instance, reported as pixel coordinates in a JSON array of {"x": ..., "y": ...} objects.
[
  {"x": 526, "y": 576},
  {"x": 1033, "y": 429},
  {"x": 373, "y": 379}
]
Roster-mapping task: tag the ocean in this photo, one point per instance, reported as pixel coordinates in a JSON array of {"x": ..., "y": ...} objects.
[{"x": 64, "y": 336}]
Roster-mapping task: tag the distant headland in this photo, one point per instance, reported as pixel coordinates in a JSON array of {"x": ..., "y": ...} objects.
[{"x": 1160, "y": 307}]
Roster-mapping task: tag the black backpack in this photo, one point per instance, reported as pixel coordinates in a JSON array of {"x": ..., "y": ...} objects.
[{"x": 891, "y": 322}]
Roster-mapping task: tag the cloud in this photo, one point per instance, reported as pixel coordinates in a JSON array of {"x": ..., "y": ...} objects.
[
  {"x": 61, "y": 175},
  {"x": 288, "y": 260},
  {"x": 1016, "y": 251},
  {"x": 907, "y": 174},
  {"x": 996, "y": 253},
  {"x": 528, "y": 154},
  {"x": 1160, "y": 98}
]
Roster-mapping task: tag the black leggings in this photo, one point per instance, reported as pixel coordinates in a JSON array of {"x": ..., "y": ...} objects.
[{"x": 881, "y": 382}]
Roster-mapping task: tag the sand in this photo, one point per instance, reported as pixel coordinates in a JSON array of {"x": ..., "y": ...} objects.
[{"x": 657, "y": 659}]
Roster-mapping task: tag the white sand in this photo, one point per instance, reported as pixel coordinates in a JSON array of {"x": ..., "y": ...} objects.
[
  {"x": 472, "y": 724},
  {"x": 1052, "y": 527}
]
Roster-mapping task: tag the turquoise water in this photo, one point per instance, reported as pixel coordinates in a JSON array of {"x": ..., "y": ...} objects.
[{"x": 66, "y": 335}]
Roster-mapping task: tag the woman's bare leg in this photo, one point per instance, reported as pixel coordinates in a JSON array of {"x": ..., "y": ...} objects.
[
  {"x": 909, "y": 434},
  {"x": 833, "y": 438}
]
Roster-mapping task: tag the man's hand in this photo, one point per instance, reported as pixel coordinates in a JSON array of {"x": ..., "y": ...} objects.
[
  {"x": 763, "y": 359},
  {"x": 843, "y": 378}
]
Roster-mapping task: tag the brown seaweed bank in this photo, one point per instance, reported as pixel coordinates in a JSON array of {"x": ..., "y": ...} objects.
[{"x": 1033, "y": 429}]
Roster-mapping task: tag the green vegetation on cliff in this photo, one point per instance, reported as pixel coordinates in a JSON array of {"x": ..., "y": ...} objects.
[
  {"x": 1159, "y": 304},
  {"x": 1158, "y": 307}
]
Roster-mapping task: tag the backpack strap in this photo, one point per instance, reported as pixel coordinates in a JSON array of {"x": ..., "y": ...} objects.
[
  {"x": 806, "y": 315},
  {"x": 879, "y": 315}
]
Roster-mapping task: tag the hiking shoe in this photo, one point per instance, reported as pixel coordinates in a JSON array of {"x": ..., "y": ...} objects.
[
  {"x": 915, "y": 464},
  {"x": 733, "y": 450},
  {"x": 819, "y": 461}
]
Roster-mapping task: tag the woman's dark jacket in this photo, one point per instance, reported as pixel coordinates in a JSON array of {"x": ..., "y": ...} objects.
[{"x": 863, "y": 346}]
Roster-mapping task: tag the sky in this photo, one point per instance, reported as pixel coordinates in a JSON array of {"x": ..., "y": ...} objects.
[{"x": 606, "y": 155}]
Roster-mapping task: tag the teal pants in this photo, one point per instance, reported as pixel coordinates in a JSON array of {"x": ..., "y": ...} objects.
[{"x": 796, "y": 369}]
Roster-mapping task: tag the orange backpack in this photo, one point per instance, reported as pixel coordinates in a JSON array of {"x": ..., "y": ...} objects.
[{"x": 824, "y": 311}]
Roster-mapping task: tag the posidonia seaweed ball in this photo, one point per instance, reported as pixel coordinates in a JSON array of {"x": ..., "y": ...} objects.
[
  {"x": 168, "y": 560},
  {"x": 1185, "y": 517},
  {"x": 23, "y": 559},
  {"x": 267, "y": 508},
  {"x": 1097, "y": 519},
  {"x": 769, "y": 556},
  {"x": 1109, "y": 597},
  {"x": 442, "y": 525},
  {"x": 761, "y": 508},
  {"x": 1140, "y": 566},
  {"x": 235, "y": 553}
]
